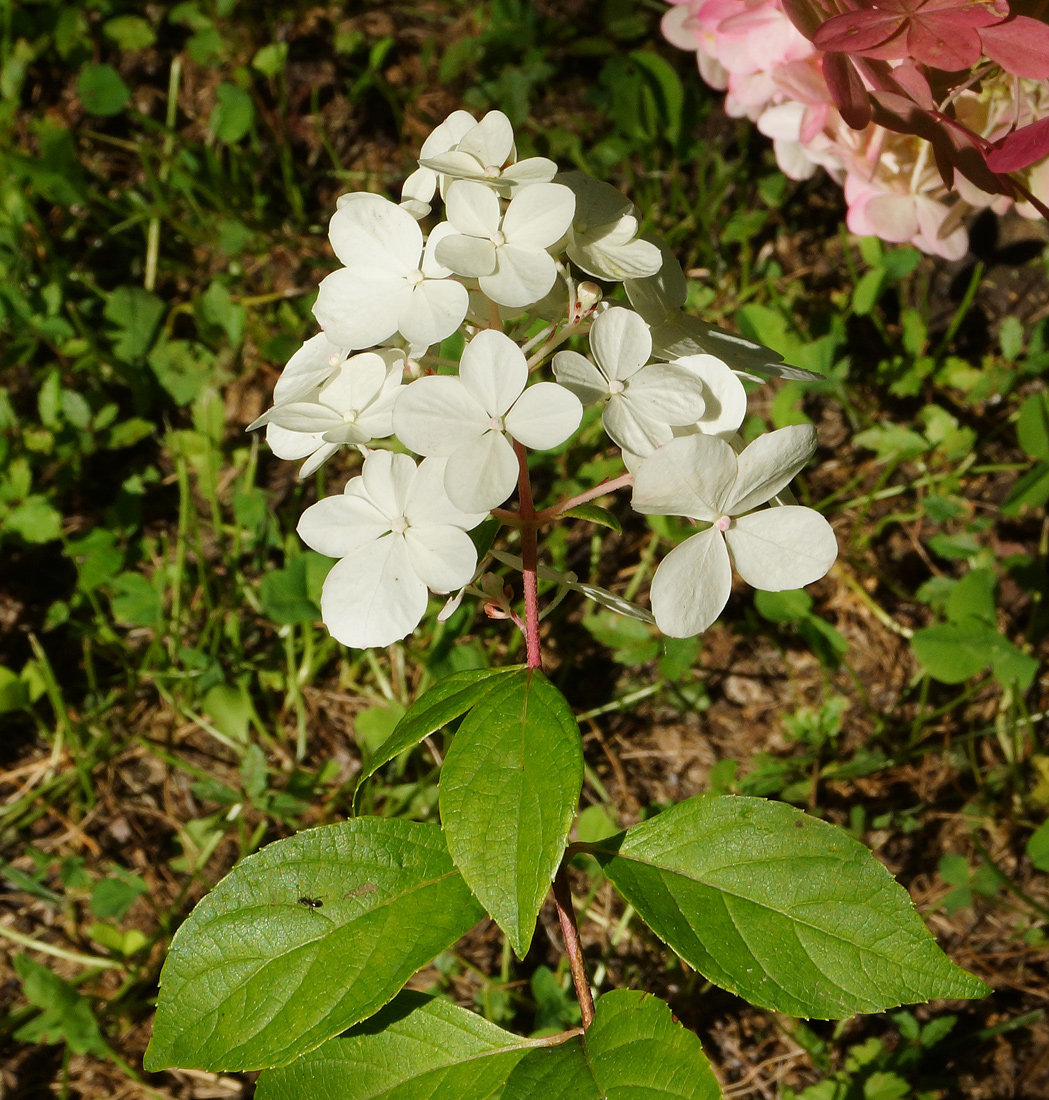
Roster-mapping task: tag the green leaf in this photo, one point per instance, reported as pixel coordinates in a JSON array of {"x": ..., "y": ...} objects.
[
  {"x": 1031, "y": 490},
  {"x": 1038, "y": 847},
  {"x": 952, "y": 652},
  {"x": 594, "y": 514},
  {"x": 783, "y": 909},
  {"x": 287, "y": 595},
  {"x": 788, "y": 606},
  {"x": 14, "y": 694},
  {"x": 136, "y": 313},
  {"x": 135, "y": 601},
  {"x": 972, "y": 598},
  {"x": 424, "y": 1048},
  {"x": 508, "y": 792},
  {"x": 633, "y": 1050},
  {"x": 255, "y": 979},
  {"x": 66, "y": 1017},
  {"x": 1032, "y": 427},
  {"x": 182, "y": 368},
  {"x": 671, "y": 93},
  {"x": 129, "y": 32},
  {"x": 417, "y": 1048},
  {"x": 632, "y": 642},
  {"x": 229, "y": 708},
  {"x": 271, "y": 59},
  {"x": 35, "y": 520},
  {"x": 443, "y": 703},
  {"x": 101, "y": 90},
  {"x": 868, "y": 290},
  {"x": 113, "y": 897},
  {"x": 233, "y": 114}
]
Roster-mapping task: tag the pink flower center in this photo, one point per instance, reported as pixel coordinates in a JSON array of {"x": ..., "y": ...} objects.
[
  {"x": 615, "y": 386},
  {"x": 723, "y": 524}
]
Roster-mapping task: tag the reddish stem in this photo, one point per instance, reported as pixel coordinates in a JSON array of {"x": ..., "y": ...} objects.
[
  {"x": 573, "y": 948},
  {"x": 529, "y": 559},
  {"x": 548, "y": 515}
]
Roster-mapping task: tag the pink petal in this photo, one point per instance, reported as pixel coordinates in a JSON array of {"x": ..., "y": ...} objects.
[
  {"x": 1020, "y": 45},
  {"x": 847, "y": 90},
  {"x": 856, "y": 30},
  {"x": 1020, "y": 148},
  {"x": 941, "y": 45}
]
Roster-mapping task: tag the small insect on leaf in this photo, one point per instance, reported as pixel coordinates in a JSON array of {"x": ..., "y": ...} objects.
[{"x": 311, "y": 903}]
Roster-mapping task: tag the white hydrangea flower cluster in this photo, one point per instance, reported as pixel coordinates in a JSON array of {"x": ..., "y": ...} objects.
[{"x": 512, "y": 269}]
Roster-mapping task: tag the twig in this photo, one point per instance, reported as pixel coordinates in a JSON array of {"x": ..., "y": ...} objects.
[{"x": 573, "y": 948}]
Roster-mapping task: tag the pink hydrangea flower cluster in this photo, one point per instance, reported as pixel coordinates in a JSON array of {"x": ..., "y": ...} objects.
[{"x": 774, "y": 75}]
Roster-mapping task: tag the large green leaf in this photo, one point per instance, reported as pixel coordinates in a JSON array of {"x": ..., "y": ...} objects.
[
  {"x": 416, "y": 1047},
  {"x": 634, "y": 1050},
  {"x": 443, "y": 703},
  {"x": 425, "y": 1048},
  {"x": 783, "y": 909},
  {"x": 305, "y": 939},
  {"x": 509, "y": 790}
]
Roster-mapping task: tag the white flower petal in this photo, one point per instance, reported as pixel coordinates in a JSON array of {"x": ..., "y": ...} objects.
[
  {"x": 621, "y": 342},
  {"x": 661, "y": 293},
  {"x": 473, "y": 208},
  {"x": 437, "y": 415},
  {"x": 692, "y": 476},
  {"x": 356, "y": 384},
  {"x": 317, "y": 459},
  {"x": 605, "y": 257},
  {"x": 666, "y": 393},
  {"x": 443, "y": 557},
  {"x": 431, "y": 267},
  {"x": 631, "y": 429},
  {"x": 469, "y": 256},
  {"x": 417, "y": 192},
  {"x": 725, "y": 399},
  {"x": 456, "y": 165},
  {"x": 374, "y": 232},
  {"x": 336, "y": 526},
  {"x": 491, "y": 141},
  {"x": 531, "y": 171},
  {"x": 359, "y": 307},
  {"x": 769, "y": 463},
  {"x": 482, "y": 474},
  {"x": 781, "y": 548},
  {"x": 494, "y": 371},
  {"x": 302, "y": 416},
  {"x": 539, "y": 216},
  {"x": 692, "y": 585},
  {"x": 428, "y": 502},
  {"x": 450, "y": 132},
  {"x": 290, "y": 445},
  {"x": 434, "y": 309},
  {"x": 578, "y": 374},
  {"x": 307, "y": 369},
  {"x": 373, "y": 597},
  {"x": 544, "y": 416},
  {"x": 521, "y": 277},
  {"x": 387, "y": 479}
]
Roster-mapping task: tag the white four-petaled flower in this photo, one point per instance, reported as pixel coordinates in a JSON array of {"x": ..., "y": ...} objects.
[
  {"x": 700, "y": 477},
  {"x": 603, "y": 240},
  {"x": 506, "y": 253},
  {"x": 353, "y": 405},
  {"x": 472, "y": 419},
  {"x": 391, "y": 282},
  {"x": 396, "y": 535},
  {"x": 641, "y": 401},
  {"x": 485, "y": 152}
]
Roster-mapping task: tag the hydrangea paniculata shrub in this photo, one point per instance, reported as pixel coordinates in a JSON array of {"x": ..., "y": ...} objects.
[{"x": 777, "y": 906}]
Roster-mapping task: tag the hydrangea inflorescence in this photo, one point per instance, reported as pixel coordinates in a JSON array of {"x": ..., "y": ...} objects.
[{"x": 512, "y": 268}]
